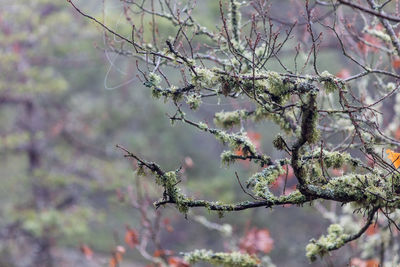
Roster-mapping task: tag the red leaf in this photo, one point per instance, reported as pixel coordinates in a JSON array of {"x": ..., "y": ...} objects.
[
  {"x": 396, "y": 62},
  {"x": 368, "y": 44},
  {"x": 343, "y": 74},
  {"x": 256, "y": 240}
]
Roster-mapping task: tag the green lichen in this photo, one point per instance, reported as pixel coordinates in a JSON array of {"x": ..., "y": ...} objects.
[{"x": 233, "y": 259}]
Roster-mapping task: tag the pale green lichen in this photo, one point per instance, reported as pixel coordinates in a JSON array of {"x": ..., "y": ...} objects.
[
  {"x": 229, "y": 119},
  {"x": 379, "y": 34},
  {"x": 238, "y": 141},
  {"x": 232, "y": 259},
  {"x": 235, "y": 18},
  {"x": 261, "y": 181},
  {"x": 202, "y": 126},
  {"x": 168, "y": 181},
  {"x": 205, "y": 78},
  {"x": 194, "y": 101},
  {"x": 335, "y": 159},
  {"x": 329, "y": 82},
  {"x": 227, "y": 157},
  {"x": 282, "y": 120},
  {"x": 335, "y": 239}
]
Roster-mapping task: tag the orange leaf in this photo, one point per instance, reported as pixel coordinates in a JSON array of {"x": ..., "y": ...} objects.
[
  {"x": 167, "y": 225},
  {"x": 87, "y": 251},
  {"x": 357, "y": 262},
  {"x": 116, "y": 257},
  {"x": 177, "y": 262},
  {"x": 372, "y": 229},
  {"x": 113, "y": 262},
  {"x": 131, "y": 237},
  {"x": 394, "y": 157}
]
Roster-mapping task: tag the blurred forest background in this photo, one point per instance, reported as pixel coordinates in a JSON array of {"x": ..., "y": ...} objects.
[{"x": 65, "y": 102}]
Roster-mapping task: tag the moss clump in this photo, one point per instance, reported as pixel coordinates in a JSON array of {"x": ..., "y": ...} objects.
[
  {"x": 279, "y": 142},
  {"x": 335, "y": 159},
  {"x": 233, "y": 259},
  {"x": 309, "y": 120},
  {"x": 276, "y": 84},
  {"x": 229, "y": 119}
]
